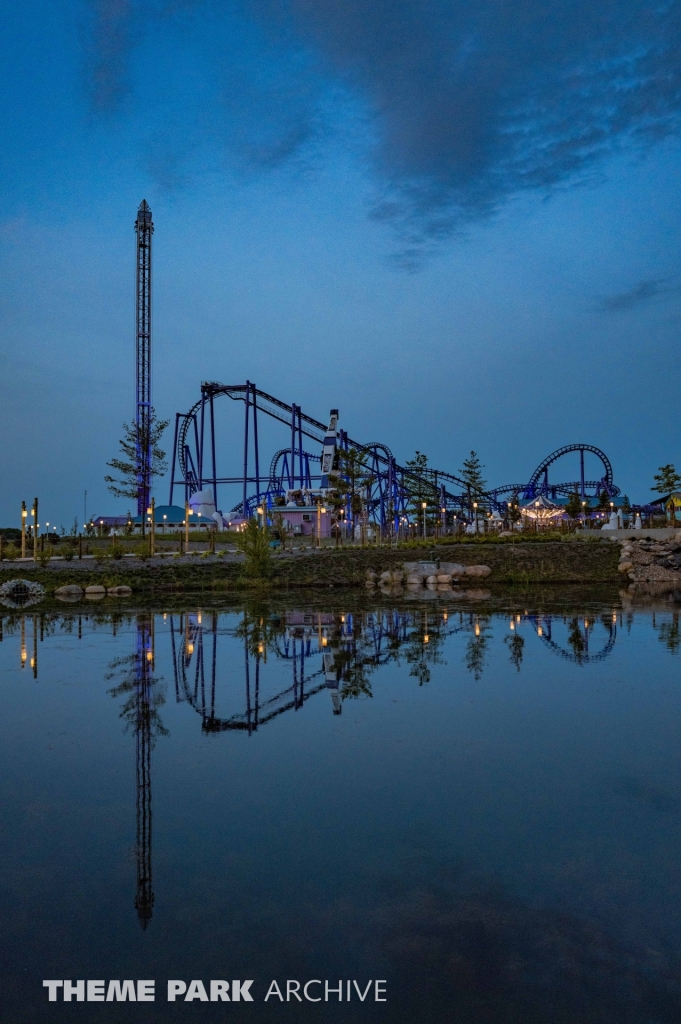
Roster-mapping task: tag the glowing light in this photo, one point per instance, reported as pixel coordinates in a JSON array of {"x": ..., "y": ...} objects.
[
  {"x": 150, "y": 656},
  {"x": 24, "y": 655},
  {"x": 426, "y": 639},
  {"x": 32, "y": 662},
  {"x": 342, "y": 618},
  {"x": 540, "y": 631},
  {"x": 198, "y": 618},
  {"x": 324, "y": 641},
  {"x": 477, "y": 629},
  {"x": 190, "y": 648},
  {"x": 261, "y": 649},
  {"x": 511, "y": 624}
]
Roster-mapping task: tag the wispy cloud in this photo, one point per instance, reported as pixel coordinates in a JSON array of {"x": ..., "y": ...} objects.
[{"x": 639, "y": 295}]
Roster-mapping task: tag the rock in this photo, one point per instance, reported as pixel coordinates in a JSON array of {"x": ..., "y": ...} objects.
[
  {"x": 398, "y": 576},
  {"x": 478, "y": 595},
  {"x": 120, "y": 591},
  {"x": 444, "y": 588},
  {"x": 68, "y": 598},
  {"x": 370, "y": 574},
  {"x": 444, "y": 578},
  {"x": 478, "y": 570},
  {"x": 386, "y": 576},
  {"x": 427, "y": 568},
  {"x": 70, "y": 590},
  {"x": 414, "y": 581},
  {"x": 432, "y": 579},
  {"x": 625, "y": 567},
  {"x": 370, "y": 584},
  {"x": 452, "y": 569},
  {"x": 95, "y": 592}
]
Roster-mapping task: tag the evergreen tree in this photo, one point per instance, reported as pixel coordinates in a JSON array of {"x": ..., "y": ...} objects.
[
  {"x": 471, "y": 474},
  {"x": 573, "y": 505},
  {"x": 419, "y": 488},
  {"x": 126, "y": 485},
  {"x": 513, "y": 513},
  {"x": 667, "y": 480},
  {"x": 604, "y": 501}
]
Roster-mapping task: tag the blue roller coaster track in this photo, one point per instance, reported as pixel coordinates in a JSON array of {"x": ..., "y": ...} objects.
[{"x": 195, "y": 466}]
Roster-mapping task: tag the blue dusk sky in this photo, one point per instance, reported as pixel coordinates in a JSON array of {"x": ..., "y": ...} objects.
[{"x": 457, "y": 222}]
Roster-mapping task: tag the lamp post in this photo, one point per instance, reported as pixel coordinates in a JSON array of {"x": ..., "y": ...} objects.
[
  {"x": 187, "y": 513},
  {"x": 164, "y": 525},
  {"x": 34, "y": 513},
  {"x": 475, "y": 506},
  {"x": 151, "y": 511},
  {"x": 424, "y": 506},
  {"x": 24, "y": 513}
]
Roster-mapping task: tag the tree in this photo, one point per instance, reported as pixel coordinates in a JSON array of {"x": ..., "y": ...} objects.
[
  {"x": 471, "y": 474},
  {"x": 130, "y": 468},
  {"x": 573, "y": 506},
  {"x": 603, "y": 501},
  {"x": 418, "y": 487},
  {"x": 351, "y": 481},
  {"x": 513, "y": 513},
  {"x": 667, "y": 480},
  {"x": 254, "y": 541}
]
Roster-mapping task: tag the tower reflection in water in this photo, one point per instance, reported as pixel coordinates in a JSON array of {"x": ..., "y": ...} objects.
[{"x": 143, "y": 696}]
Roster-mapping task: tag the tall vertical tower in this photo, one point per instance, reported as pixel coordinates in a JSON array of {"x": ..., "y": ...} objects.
[
  {"x": 144, "y": 228},
  {"x": 144, "y": 681}
]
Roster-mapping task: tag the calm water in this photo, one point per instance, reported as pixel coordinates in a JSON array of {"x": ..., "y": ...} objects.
[{"x": 482, "y": 809}]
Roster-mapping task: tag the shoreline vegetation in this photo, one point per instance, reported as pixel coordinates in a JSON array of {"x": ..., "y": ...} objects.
[{"x": 514, "y": 561}]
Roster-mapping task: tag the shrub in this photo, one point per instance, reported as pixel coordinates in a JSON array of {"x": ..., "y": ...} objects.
[
  {"x": 43, "y": 556},
  {"x": 142, "y": 550},
  {"x": 254, "y": 541},
  {"x": 116, "y": 552},
  {"x": 10, "y": 552},
  {"x": 68, "y": 551},
  {"x": 99, "y": 555}
]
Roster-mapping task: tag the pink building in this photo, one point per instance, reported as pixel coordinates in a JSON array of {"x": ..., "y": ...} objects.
[{"x": 302, "y": 520}]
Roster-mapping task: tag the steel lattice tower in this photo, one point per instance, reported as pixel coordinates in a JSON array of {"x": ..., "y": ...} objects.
[{"x": 144, "y": 228}]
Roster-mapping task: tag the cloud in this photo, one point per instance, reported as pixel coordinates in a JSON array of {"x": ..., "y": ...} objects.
[
  {"x": 641, "y": 293},
  {"x": 110, "y": 45},
  {"x": 468, "y": 104}
]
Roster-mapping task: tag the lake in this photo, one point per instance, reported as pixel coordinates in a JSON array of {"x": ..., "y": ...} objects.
[{"x": 465, "y": 812}]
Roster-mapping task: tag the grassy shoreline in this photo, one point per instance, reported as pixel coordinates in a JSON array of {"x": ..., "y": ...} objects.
[{"x": 520, "y": 563}]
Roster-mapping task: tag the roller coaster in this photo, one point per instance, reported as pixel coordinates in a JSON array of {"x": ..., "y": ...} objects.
[{"x": 388, "y": 485}]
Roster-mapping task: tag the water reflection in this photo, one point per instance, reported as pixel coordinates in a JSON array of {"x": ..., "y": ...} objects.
[
  {"x": 240, "y": 672},
  {"x": 143, "y": 696}
]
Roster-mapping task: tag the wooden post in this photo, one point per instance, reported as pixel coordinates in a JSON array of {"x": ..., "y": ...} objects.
[
  {"x": 186, "y": 527},
  {"x": 23, "y": 529},
  {"x": 35, "y": 529},
  {"x": 80, "y": 546}
]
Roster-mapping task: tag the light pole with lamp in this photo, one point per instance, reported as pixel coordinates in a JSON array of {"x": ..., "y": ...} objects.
[
  {"x": 151, "y": 511},
  {"x": 187, "y": 512},
  {"x": 34, "y": 513},
  {"x": 424, "y": 506},
  {"x": 24, "y": 513},
  {"x": 475, "y": 507}
]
